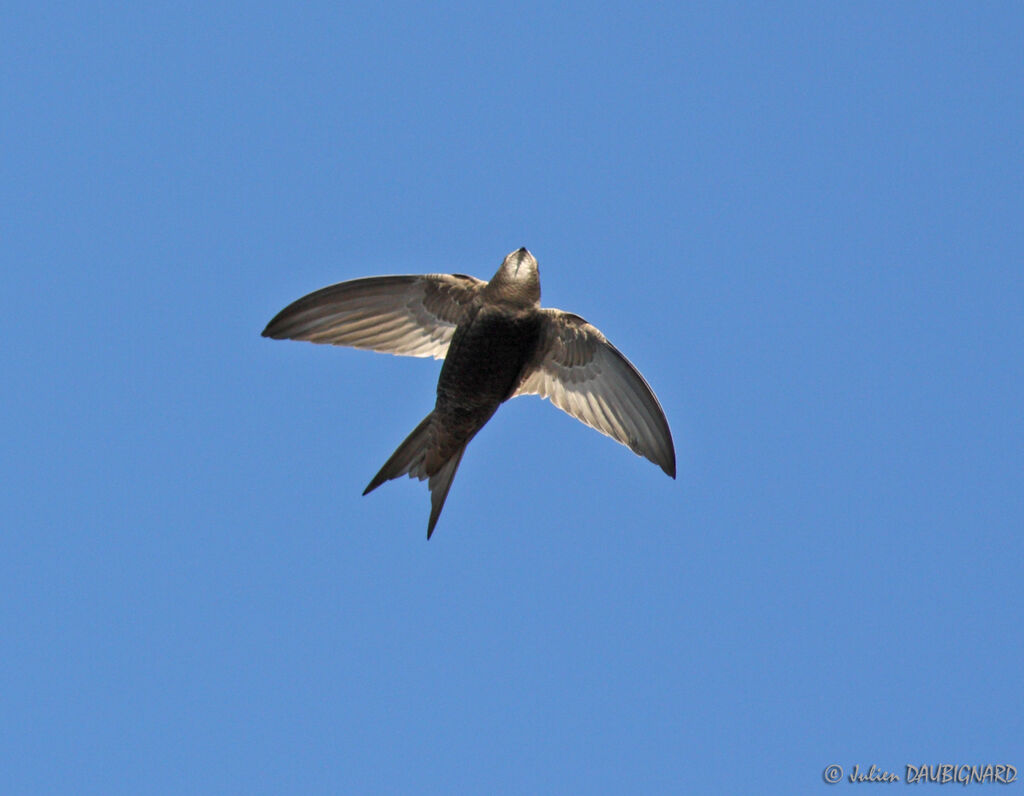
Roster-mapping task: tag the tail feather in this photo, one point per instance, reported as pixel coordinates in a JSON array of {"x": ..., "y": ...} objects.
[
  {"x": 408, "y": 457},
  {"x": 418, "y": 457},
  {"x": 440, "y": 482}
]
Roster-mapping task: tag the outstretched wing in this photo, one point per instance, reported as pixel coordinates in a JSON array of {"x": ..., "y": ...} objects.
[
  {"x": 586, "y": 376},
  {"x": 410, "y": 315}
]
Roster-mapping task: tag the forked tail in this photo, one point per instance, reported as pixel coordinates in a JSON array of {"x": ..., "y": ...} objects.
[{"x": 418, "y": 458}]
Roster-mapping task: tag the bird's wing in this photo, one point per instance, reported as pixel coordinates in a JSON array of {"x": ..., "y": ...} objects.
[
  {"x": 410, "y": 315},
  {"x": 586, "y": 376}
]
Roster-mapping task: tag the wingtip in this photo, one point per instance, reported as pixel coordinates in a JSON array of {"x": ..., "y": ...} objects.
[
  {"x": 374, "y": 483},
  {"x": 281, "y": 325}
]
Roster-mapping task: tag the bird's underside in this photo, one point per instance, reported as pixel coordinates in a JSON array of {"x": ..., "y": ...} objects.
[{"x": 497, "y": 343}]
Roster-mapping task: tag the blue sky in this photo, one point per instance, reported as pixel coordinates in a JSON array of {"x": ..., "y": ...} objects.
[{"x": 802, "y": 222}]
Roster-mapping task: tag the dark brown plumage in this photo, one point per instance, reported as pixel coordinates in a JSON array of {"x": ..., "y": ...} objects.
[{"x": 497, "y": 342}]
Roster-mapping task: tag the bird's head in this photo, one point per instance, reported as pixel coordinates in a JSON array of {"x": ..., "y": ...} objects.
[{"x": 517, "y": 281}]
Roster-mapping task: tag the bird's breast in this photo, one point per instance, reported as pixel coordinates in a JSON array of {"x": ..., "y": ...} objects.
[{"x": 486, "y": 357}]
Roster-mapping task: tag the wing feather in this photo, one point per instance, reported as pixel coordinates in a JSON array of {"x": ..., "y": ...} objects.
[
  {"x": 407, "y": 315},
  {"x": 585, "y": 376}
]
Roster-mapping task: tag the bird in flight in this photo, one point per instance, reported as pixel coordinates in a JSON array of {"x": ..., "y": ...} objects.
[{"x": 497, "y": 342}]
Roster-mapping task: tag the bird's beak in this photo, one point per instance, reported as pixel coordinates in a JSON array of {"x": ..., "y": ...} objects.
[{"x": 519, "y": 260}]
